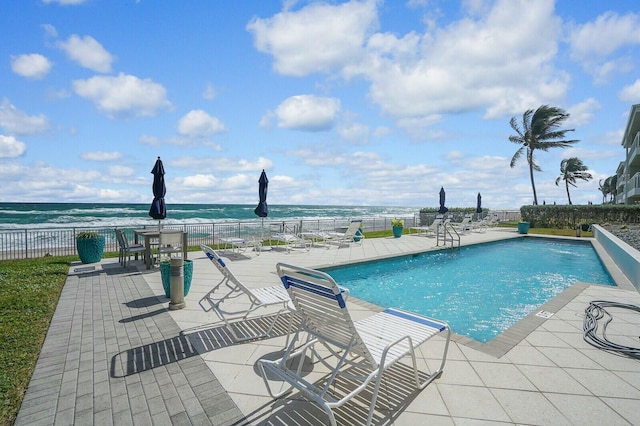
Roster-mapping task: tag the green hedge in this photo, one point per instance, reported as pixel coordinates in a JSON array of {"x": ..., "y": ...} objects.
[{"x": 569, "y": 216}]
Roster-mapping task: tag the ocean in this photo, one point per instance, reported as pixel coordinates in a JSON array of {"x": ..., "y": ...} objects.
[{"x": 65, "y": 215}]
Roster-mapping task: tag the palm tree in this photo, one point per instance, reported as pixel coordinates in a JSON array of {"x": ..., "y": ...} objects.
[
  {"x": 613, "y": 188},
  {"x": 609, "y": 187},
  {"x": 539, "y": 131},
  {"x": 604, "y": 188},
  {"x": 572, "y": 169}
]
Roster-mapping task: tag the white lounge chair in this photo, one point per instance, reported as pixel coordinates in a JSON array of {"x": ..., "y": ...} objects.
[
  {"x": 317, "y": 236},
  {"x": 290, "y": 239},
  {"x": 372, "y": 345},
  {"x": 464, "y": 226},
  {"x": 349, "y": 235},
  {"x": 258, "y": 298},
  {"x": 429, "y": 229},
  {"x": 240, "y": 244}
]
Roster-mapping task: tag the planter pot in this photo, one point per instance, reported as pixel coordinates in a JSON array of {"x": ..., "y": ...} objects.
[
  {"x": 357, "y": 236},
  {"x": 90, "y": 249},
  {"x": 165, "y": 273},
  {"x": 397, "y": 231},
  {"x": 523, "y": 227}
]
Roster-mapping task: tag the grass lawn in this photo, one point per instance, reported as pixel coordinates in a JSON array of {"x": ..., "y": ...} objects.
[{"x": 29, "y": 293}]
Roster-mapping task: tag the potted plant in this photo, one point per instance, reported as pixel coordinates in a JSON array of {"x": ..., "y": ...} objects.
[
  {"x": 90, "y": 246},
  {"x": 523, "y": 227},
  {"x": 397, "y": 226},
  {"x": 165, "y": 274}
]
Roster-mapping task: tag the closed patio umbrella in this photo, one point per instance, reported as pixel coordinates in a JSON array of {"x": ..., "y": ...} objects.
[
  {"x": 158, "y": 209},
  {"x": 479, "y": 205},
  {"x": 262, "y": 210},
  {"x": 263, "y": 183},
  {"x": 443, "y": 209}
]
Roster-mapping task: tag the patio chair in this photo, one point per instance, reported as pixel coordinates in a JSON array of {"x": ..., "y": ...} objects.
[
  {"x": 464, "y": 226},
  {"x": 258, "y": 298},
  {"x": 429, "y": 229},
  {"x": 291, "y": 239},
  {"x": 371, "y": 345},
  {"x": 240, "y": 244},
  {"x": 348, "y": 236},
  {"x": 317, "y": 236},
  {"x": 125, "y": 250},
  {"x": 171, "y": 242}
]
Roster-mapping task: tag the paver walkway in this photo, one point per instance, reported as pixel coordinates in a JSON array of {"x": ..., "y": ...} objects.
[
  {"x": 115, "y": 355},
  {"x": 108, "y": 324}
]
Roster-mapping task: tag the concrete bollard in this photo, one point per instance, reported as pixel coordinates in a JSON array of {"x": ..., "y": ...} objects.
[{"x": 177, "y": 284}]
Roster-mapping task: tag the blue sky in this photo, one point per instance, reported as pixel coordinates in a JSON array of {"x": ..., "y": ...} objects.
[{"x": 341, "y": 102}]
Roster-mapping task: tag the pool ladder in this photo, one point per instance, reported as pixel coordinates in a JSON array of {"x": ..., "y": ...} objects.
[{"x": 447, "y": 230}]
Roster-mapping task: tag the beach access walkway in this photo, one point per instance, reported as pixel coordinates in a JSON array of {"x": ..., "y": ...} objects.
[{"x": 115, "y": 355}]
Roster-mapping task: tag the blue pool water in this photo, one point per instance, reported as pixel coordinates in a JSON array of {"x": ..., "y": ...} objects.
[{"x": 481, "y": 290}]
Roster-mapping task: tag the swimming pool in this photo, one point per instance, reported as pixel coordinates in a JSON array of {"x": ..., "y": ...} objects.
[{"x": 481, "y": 290}]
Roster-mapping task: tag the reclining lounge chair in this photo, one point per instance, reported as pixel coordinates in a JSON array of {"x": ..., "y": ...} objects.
[
  {"x": 290, "y": 239},
  {"x": 258, "y": 298},
  {"x": 373, "y": 344},
  {"x": 430, "y": 229},
  {"x": 349, "y": 235}
]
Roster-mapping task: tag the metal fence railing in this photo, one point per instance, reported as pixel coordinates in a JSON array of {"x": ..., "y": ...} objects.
[{"x": 60, "y": 241}]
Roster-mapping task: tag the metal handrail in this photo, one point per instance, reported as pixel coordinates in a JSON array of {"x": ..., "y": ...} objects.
[{"x": 446, "y": 230}]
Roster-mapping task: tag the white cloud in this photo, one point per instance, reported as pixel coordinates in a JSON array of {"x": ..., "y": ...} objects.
[
  {"x": 588, "y": 41},
  {"x": 32, "y": 65},
  {"x": 351, "y": 131},
  {"x": 317, "y": 38},
  {"x": 455, "y": 156},
  {"x": 582, "y": 113},
  {"x": 354, "y": 133},
  {"x": 17, "y": 122},
  {"x": 124, "y": 95},
  {"x": 50, "y": 30},
  {"x": 222, "y": 164},
  {"x": 462, "y": 67},
  {"x": 308, "y": 112},
  {"x": 592, "y": 49},
  {"x": 631, "y": 93},
  {"x": 199, "y": 181},
  {"x": 87, "y": 52},
  {"x": 486, "y": 60},
  {"x": 210, "y": 92},
  {"x": 266, "y": 120},
  {"x": 149, "y": 140},
  {"x": 381, "y": 131},
  {"x": 10, "y": 147},
  {"x": 198, "y": 123},
  {"x": 101, "y": 156},
  {"x": 121, "y": 171},
  {"x": 588, "y": 154}
]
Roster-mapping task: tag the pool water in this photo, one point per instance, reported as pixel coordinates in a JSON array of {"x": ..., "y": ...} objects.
[{"x": 480, "y": 290}]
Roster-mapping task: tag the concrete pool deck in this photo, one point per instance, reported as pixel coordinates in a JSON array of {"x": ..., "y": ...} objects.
[{"x": 115, "y": 354}]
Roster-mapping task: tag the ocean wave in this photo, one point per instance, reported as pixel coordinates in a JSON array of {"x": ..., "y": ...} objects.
[{"x": 55, "y": 215}]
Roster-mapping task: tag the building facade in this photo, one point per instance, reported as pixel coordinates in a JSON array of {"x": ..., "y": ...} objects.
[{"x": 628, "y": 172}]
